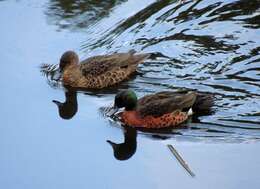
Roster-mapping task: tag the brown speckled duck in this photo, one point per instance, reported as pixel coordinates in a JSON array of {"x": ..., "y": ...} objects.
[
  {"x": 160, "y": 110},
  {"x": 99, "y": 71}
]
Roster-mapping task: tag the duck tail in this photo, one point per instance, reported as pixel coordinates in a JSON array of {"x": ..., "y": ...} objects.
[
  {"x": 138, "y": 58},
  {"x": 203, "y": 104},
  {"x": 132, "y": 51}
]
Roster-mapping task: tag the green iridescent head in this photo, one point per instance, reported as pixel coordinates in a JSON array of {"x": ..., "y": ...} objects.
[{"x": 126, "y": 99}]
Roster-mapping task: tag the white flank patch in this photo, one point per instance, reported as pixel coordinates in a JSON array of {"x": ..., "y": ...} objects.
[{"x": 190, "y": 112}]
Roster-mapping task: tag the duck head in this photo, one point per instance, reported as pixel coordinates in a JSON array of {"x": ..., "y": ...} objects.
[
  {"x": 126, "y": 99},
  {"x": 68, "y": 58}
]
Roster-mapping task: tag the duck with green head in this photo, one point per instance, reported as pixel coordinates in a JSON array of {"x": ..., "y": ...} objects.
[
  {"x": 99, "y": 71},
  {"x": 160, "y": 110}
]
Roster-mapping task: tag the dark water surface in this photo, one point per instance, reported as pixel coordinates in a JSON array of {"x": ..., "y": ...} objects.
[{"x": 211, "y": 46}]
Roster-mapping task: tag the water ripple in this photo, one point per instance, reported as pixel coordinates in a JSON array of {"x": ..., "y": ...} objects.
[{"x": 210, "y": 46}]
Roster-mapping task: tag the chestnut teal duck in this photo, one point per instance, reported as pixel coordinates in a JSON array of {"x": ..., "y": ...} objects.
[{"x": 160, "y": 110}]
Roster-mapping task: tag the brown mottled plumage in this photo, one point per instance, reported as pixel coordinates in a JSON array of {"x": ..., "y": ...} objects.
[
  {"x": 163, "y": 109},
  {"x": 99, "y": 71}
]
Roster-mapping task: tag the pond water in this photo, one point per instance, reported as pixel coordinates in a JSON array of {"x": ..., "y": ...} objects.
[{"x": 212, "y": 46}]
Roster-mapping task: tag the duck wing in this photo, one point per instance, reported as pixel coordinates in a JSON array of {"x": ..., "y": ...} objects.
[
  {"x": 98, "y": 65},
  {"x": 165, "y": 102}
]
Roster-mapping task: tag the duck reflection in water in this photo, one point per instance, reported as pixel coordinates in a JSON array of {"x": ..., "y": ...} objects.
[
  {"x": 68, "y": 108},
  {"x": 125, "y": 150}
]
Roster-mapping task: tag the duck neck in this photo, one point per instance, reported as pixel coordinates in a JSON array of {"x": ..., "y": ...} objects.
[{"x": 130, "y": 107}]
